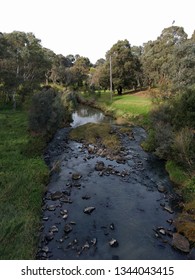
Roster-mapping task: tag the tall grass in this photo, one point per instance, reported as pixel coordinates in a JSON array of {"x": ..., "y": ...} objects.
[{"x": 22, "y": 181}]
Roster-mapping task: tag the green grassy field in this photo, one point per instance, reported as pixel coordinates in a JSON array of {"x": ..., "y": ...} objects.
[
  {"x": 132, "y": 107},
  {"x": 132, "y": 104},
  {"x": 22, "y": 181}
]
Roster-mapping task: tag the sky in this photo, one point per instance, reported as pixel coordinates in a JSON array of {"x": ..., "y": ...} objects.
[{"x": 91, "y": 27}]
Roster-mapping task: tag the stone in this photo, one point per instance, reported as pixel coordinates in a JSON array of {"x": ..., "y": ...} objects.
[
  {"x": 86, "y": 246},
  {"x": 113, "y": 243},
  {"x": 181, "y": 243},
  {"x": 112, "y": 227},
  {"x": 86, "y": 197},
  {"x": 89, "y": 210},
  {"x": 119, "y": 159},
  {"x": 99, "y": 166},
  {"x": 76, "y": 176},
  {"x": 91, "y": 149},
  {"x": 49, "y": 236},
  {"x": 162, "y": 231},
  {"x": 94, "y": 241},
  {"x": 55, "y": 196},
  {"x": 54, "y": 229},
  {"x": 65, "y": 199},
  {"x": 51, "y": 207},
  {"x": 67, "y": 228},
  {"x": 64, "y": 212},
  {"x": 170, "y": 221},
  {"x": 161, "y": 188},
  {"x": 45, "y": 249},
  {"x": 168, "y": 209}
]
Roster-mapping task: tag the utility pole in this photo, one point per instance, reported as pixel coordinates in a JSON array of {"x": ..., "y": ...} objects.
[{"x": 111, "y": 78}]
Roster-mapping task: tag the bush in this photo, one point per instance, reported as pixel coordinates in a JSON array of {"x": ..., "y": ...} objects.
[
  {"x": 183, "y": 146},
  {"x": 184, "y": 108},
  {"x": 48, "y": 112}
]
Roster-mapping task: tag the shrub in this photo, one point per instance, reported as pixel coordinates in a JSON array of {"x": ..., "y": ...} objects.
[
  {"x": 48, "y": 112},
  {"x": 183, "y": 146}
]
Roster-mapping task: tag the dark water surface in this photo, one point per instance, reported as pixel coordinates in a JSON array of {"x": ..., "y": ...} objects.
[{"x": 128, "y": 206}]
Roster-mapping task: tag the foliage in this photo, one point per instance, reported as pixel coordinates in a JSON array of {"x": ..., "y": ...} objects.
[
  {"x": 173, "y": 125},
  {"x": 47, "y": 112},
  {"x": 126, "y": 68},
  {"x": 22, "y": 183},
  {"x": 23, "y": 64}
]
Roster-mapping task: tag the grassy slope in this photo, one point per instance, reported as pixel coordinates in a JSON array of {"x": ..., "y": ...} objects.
[{"x": 22, "y": 181}]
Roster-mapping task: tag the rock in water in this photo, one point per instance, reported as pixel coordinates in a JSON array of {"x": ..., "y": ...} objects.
[
  {"x": 113, "y": 243},
  {"x": 55, "y": 196},
  {"x": 67, "y": 228},
  {"x": 99, "y": 166},
  {"x": 76, "y": 176},
  {"x": 181, "y": 243},
  {"x": 88, "y": 210},
  {"x": 161, "y": 188},
  {"x": 168, "y": 209}
]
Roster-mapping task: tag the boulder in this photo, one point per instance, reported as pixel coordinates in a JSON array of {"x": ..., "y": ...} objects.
[{"x": 181, "y": 243}]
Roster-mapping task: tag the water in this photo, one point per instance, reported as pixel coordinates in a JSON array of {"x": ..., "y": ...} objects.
[
  {"x": 85, "y": 115},
  {"x": 128, "y": 206}
]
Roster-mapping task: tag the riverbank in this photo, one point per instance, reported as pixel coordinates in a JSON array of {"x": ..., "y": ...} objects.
[{"x": 23, "y": 176}]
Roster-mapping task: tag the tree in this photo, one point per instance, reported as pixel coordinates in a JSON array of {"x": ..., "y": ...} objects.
[
  {"x": 184, "y": 63},
  {"x": 24, "y": 63},
  {"x": 125, "y": 67},
  {"x": 158, "y": 57},
  {"x": 80, "y": 71}
]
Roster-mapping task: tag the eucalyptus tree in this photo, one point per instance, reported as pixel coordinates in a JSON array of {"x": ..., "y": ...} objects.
[
  {"x": 126, "y": 67},
  {"x": 158, "y": 57},
  {"x": 24, "y": 63},
  {"x": 80, "y": 71}
]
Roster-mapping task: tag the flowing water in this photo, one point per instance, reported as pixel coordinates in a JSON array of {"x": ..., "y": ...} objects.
[{"x": 127, "y": 210}]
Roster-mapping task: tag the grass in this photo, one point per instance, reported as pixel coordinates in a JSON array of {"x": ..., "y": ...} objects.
[
  {"x": 22, "y": 181},
  {"x": 185, "y": 222},
  {"x": 130, "y": 107}
]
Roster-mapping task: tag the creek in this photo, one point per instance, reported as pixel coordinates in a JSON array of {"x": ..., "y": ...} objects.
[{"x": 123, "y": 210}]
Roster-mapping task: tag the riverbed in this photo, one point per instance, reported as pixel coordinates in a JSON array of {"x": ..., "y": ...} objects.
[{"x": 101, "y": 208}]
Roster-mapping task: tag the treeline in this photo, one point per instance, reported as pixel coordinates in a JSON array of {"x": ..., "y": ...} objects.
[{"x": 167, "y": 63}]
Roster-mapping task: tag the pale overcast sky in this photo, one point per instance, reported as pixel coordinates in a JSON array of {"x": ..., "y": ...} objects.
[{"x": 90, "y": 27}]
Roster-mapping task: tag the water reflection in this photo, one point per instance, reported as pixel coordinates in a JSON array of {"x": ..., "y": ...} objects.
[{"x": 85, "y": 115}]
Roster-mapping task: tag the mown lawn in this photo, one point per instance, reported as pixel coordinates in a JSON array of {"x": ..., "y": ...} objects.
[
  {"x": 132, "y": 104},
  {"x": 22, "y": 181}
]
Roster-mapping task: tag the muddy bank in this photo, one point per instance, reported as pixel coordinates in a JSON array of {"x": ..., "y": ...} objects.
[{"x": 98, "y": 207}]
